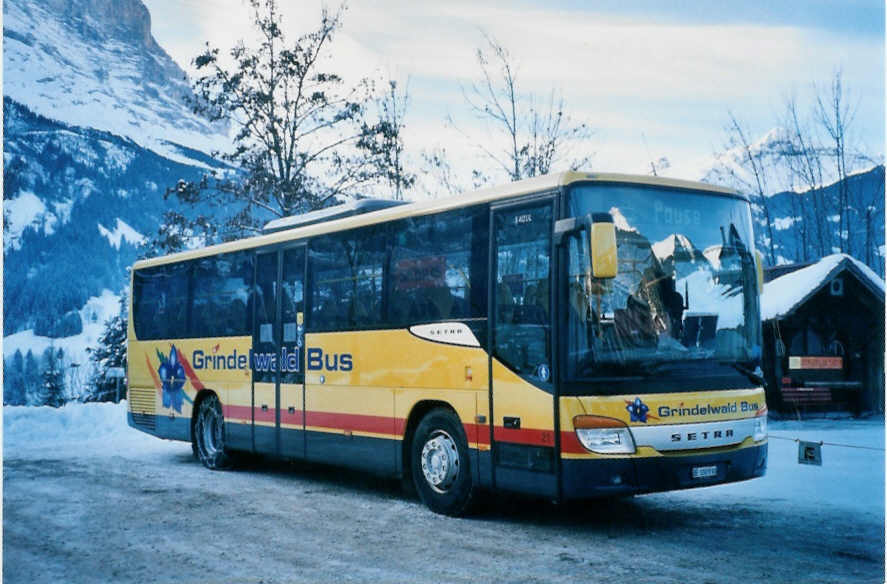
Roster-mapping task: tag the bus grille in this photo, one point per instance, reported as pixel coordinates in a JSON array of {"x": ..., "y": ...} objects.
[{"x": 143, "y": 405}]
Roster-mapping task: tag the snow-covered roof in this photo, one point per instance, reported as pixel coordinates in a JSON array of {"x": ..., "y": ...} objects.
[{"x": 784, "y": 294}]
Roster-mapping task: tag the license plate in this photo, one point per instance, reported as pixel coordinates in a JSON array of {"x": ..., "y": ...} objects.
[{"x": 705, "y": 472}]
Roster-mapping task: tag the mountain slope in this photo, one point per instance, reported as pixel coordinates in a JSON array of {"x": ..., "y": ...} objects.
[
  {"x": 806, "y": 224},
  {"x": 96, "y": 127},
  {"x": 77, "y": 203},
  {"x": 94, "y": 63}
]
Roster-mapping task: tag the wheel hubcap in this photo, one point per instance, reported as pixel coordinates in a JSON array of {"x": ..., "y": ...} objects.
[
  {"x": 440, "y": 461},
  {"x": 211, "y": 430}
]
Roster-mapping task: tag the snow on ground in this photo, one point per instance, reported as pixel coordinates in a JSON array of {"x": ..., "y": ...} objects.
[
  {"x": 851, "y": 479},
  {"x": 72, "y": 429},
  {"x": 77, "y": 478}
]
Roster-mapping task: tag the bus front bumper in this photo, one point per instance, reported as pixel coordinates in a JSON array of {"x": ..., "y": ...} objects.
[{"x": 604, "y": 477}]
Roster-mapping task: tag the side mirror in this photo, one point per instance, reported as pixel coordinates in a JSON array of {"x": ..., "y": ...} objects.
[
  {"x": 759, "y": 268},
  {"x": 602, "y": 243}
]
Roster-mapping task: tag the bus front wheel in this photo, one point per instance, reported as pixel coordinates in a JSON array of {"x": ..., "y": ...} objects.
[
  {"x": 440, "y": 464},
  {"x": 209, "y": 434}
]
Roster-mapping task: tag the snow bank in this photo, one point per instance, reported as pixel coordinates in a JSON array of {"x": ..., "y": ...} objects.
[
  {"x": 75, "y": 421},
  {"x": 75, "y": 429},
  {"x": 782, "y": 294}
]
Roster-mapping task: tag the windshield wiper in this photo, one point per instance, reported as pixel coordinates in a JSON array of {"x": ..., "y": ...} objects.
[{"x": 755, "y": 376}]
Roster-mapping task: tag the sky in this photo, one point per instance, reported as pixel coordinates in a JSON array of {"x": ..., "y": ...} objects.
[{"x": 652, "y": 79}]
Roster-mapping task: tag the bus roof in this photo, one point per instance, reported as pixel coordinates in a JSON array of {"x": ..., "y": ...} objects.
[{"x": 539, "y": 184}]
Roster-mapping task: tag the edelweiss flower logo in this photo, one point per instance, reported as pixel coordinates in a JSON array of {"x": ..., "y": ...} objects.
[
  {"x": 637, "y": 410},
  {"x": 172, "y": 378}
]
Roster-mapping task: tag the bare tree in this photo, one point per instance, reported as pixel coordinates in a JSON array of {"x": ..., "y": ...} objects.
[
  {"x": 802, "y": 159},
  {"x": 303, "y": 137},
  {"x": 392, "y": 106},
  {"x": 537, "y": 133},
  {"x": 754, "y": 162},
  {"x": 438, "y": 170},
  {"x": 836, "y": 116}
]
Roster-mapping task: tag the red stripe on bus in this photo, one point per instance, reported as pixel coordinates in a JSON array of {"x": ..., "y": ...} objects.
[
  {"x": 245, "y": 414},
  {"x": 475, "y": 433},
  {"x": 530, "y": 436},
  {"x": 294, "y": 419},
  {"x": 260, "y": 415},
  {"x": 237, "y": 412},
  {"x": 355, "y": 422}
]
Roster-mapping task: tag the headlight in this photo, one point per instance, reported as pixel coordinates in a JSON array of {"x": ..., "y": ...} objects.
[
  {"x": 760, "y": 431},
  {"x": 604, "y": 435}
]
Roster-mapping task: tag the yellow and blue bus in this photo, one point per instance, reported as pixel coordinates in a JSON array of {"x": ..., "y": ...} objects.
[{"x": 570, "y": 336}]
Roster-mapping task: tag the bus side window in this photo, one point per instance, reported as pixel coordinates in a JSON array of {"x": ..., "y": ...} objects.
[
  {"x": 438, "y": 267},
  {"x": 346, "y": 274},
  {"x": 161, "y": 301}
]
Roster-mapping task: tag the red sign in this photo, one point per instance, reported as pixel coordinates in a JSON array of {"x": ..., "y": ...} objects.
[
  {"x": 815, "y": 363},
  {"x": 415, "y": 273}
]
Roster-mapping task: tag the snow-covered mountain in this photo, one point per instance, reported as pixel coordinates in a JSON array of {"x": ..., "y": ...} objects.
[
  {"x": 677, "y": 253},
  {"x": 94, "y": 63},
  {"x": 805, "y": 223},
  {"x": 730, "y": 167},
  {"x": 96, "y": 127}
]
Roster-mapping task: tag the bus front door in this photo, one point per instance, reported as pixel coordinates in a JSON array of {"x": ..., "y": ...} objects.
[
  {"x": 278, "y": 358},
  {"x": 522, "y": 398}
]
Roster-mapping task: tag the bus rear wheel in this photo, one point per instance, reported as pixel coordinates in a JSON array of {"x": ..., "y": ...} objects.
[
  {"x": 209, "y": 434},
  {"x": 440, "y": 464}
]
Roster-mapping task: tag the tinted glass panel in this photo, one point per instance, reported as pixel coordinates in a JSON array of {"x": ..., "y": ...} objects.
[
  {"x": 160, "y": 298},
  {"x": 684, "y": 303},
  {"x": 265, "y": 333},
  {"x": 523, "y": 266},
  {"x": 292, "y": 297},
  {"x": 438, "y": 267},
  {"x": 221, "y": 294},
  {"x": 347, "y": 275}
]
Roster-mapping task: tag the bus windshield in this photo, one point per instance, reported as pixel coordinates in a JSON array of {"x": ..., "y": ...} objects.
[{"x": 684, "y": 305}]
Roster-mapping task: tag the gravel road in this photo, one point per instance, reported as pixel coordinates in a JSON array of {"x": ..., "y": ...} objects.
[{"x": 156, "y": 515}]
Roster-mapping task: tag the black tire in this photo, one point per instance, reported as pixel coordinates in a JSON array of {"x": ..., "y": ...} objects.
[
  {"x": 440, "y": 464},
  {"x": 209, "y": 434}
]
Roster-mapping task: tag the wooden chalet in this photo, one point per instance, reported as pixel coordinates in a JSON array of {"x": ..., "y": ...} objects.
[{"x": 824, "y": 337}]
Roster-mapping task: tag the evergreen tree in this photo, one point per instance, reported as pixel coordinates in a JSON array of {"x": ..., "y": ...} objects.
[
  {"x": 32, "y": 380},
  {"x": 53, "y": 390},
  {"x": 109, "y": 352},
  {"x": 14, "y": 381}
]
